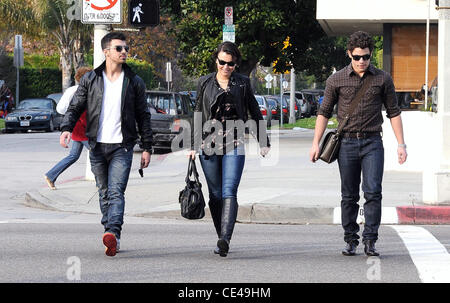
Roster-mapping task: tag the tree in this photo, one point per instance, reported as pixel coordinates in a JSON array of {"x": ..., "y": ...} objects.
[
  {"x": 42, "y": 17},
  {"x": 262, "y": 28}
]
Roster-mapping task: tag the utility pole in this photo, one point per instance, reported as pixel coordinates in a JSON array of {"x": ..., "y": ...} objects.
[
  {"x": 292, "y": 99},
  {"x": 18, "y": 63}
]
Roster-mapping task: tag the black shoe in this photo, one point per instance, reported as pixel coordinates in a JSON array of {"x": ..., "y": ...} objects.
[
  {"x": 223, "y": 246},
  {"x": 350, "y": 248},
  {"x": 369, "y": 248}
]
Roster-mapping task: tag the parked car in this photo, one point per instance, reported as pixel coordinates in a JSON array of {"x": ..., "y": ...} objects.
[
  {"x": 313, "y": 95},
  {"x": 265, "y": 108},
  {"x": 305, "y": 106},
  {"x": 167, "y": 109},
  {"x": 192, "y": 94},
  {"x": 55, "y": 96},
  {"x": 34, "y": 114},
  {"x": 285, "y": 108}
]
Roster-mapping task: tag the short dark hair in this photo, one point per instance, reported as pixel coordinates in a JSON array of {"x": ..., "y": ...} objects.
[
  {"x": 229, "y": 48},
  {"x": 106, "y": 40},
  {"x": 360, "y": 39}
]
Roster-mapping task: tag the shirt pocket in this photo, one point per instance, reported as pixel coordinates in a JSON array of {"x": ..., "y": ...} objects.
[
  {"x": 347, "y": 92},
  {"x": 374, "y": 91}
]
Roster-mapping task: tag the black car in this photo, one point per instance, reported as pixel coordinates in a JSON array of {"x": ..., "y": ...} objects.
[
  {"x": 169, "y": 110},
  {"x": 34, "y": 114}
]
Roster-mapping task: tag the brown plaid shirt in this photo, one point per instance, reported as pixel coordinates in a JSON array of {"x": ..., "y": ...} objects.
[{"x": 341, "y": 87}]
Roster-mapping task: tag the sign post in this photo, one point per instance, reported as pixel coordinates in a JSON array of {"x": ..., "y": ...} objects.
[{"x": 18, "y": 63}]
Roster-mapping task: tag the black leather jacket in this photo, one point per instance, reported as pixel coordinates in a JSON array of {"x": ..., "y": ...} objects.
[
  {"x": 247, "y": 107},
  {"x": 134, "y": 106}
]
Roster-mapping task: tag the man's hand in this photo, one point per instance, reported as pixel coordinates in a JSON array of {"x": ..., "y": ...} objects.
[
  {"x": 145, "y": 159},
  {"x": 64, "y": 139},
  {"x": 402, "y": 154},
  {"x": 264, "y": 151},
  {"x": 314, "y": 152}
]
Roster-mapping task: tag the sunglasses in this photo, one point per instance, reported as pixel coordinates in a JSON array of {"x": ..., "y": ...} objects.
[
  {"x": 119, "y": 48},
  {"x": 357, "y": 58},
  {"x": 230, "y": 64}
]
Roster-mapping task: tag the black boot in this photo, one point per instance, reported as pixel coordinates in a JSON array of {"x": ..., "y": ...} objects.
[
  {"x": 229, "y": 215},
  {"x": 369, "y": 248},
  {"x": 350, "y": 248},
  {"x": 215, "y": 207}
]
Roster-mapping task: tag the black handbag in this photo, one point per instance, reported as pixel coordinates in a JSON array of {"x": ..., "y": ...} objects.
[
  {"x": 191, "y": 197},
  {"x": 329, "y": 149}
]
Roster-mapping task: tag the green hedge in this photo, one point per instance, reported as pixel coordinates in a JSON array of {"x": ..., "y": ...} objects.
[
  {"x": 41, "y": 75},
  {"x": 36, "y": 83}
]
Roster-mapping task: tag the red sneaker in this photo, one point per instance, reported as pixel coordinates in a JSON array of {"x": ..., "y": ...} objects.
[{"x": 109, "y": 240}]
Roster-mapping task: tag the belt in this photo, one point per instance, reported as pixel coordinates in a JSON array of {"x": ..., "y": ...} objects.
[{"x": 360, "y": 135}]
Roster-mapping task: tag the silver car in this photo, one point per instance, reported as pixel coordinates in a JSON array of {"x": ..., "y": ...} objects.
[{"x": 266, "y": 110}]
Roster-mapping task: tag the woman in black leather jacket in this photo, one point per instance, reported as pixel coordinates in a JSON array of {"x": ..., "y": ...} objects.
[{"x": 224, "y": 101}]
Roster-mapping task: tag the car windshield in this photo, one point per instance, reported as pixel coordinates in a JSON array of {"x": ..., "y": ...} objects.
[
  {"x": 260, "y": 100},
  {"x": 35, "y": 104},
  {"x": 163, "y": 103},
  {"x": 272, "y": 103}
]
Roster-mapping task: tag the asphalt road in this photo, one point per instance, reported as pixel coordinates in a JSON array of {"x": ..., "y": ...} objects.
[{"x": 48, "y": 246}]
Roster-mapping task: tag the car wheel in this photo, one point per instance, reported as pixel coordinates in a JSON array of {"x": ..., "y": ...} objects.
[{"x": 51, "y": 126}]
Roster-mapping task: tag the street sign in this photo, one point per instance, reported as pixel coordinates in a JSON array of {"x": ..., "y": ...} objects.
[
  {"x": 228, "y": 15},
  {"x": 101, "y": 12},
  {"x": 143, "y": 12},
  {"x": 268, "y": 78},
  {"x": 228, "y": 33},
  {"x": 285, "y": 84},
  {"x": 268, "y": 84}
]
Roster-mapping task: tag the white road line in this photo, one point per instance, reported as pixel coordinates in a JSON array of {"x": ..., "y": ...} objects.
[{"x": 430, "y": 257}]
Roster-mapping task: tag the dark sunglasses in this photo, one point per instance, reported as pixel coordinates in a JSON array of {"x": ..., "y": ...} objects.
[
  {"x": 120, "y": 47},
  {"x": 357, "y": 58},
  {"x": 230, "y": 64}
]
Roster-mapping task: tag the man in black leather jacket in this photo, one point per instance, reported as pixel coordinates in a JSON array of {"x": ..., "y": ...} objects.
[{"x": 114, "y": 99}]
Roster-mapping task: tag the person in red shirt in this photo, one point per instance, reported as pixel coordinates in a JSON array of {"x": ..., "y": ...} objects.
[{"x": 79, "y": 138}]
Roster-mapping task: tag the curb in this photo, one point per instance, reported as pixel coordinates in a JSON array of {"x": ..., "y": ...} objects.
[
  {"x": 277, "y": 214},
  {"x": 423, "y": 214}
]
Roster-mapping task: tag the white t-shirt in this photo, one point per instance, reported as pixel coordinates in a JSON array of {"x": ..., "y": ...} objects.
[{"x": 109, "y": 129}]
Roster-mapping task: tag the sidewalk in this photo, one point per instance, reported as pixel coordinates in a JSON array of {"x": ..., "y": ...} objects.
[{"x": 285, "y": 188}]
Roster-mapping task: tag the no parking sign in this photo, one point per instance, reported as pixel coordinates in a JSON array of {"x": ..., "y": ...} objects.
[{"x": 101, "y": 11}]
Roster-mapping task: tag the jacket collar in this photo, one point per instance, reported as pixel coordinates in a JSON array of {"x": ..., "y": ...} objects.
[{"x": 127, "y": 70}]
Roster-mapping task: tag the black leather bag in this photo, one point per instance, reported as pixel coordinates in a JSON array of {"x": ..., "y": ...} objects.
[
  {"x": 191, "y": 197},
  {"x": 329, "y": 149}
]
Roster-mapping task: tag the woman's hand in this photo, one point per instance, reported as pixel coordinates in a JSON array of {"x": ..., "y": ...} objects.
[{"x": 192, "y": 154}]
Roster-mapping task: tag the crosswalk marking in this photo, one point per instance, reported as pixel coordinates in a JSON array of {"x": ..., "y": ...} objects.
[{"x": 429, "y": 256}]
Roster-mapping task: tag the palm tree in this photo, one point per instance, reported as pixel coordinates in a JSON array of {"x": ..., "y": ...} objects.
[{"x": 35, "y": 17}]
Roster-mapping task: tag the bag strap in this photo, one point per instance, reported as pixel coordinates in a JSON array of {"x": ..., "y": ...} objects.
[
  {"x": 192, "y": 169},
  {"x": 355, "y": 102}
]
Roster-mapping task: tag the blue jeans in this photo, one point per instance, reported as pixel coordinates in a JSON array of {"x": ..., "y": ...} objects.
[
  {"x": 358, "y": 156},
  {"x": 223, "y": 173},
  {"x": 74, "y": 155},
  {"x": 111, "y": 165}
]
